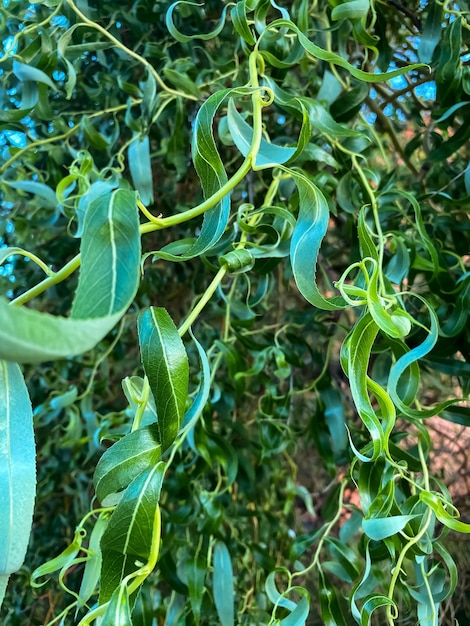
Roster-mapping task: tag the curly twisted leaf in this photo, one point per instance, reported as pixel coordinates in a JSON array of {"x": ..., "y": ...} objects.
[
  {"x": 109, "y": 277},
  {"x": 166, "y": 366},
  {"x": 211, "y": 171},
  {"x": 311, "y": 227},
  {"x": 17, "y": 471},
  {"x": 184, "y": 38},
  {"x": 336, "y": 59},
  {"x": 351, "y": 10}
]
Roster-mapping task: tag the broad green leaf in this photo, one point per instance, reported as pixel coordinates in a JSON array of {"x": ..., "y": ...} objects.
[
  {"x": 131, "y": 532},
  {"x": 25, "y": 72},
  {"x": 17, "y": 470},
  {"x": 223, "y": 584},
  {"x": 126, "y": 459},
  {"x": 109, "y": 277},
  {"x": 380, "y": 528},
  {"x": 166, "y": 366},
  {"x": 141, "y": 168},
  {"x": 110, "y": 256},
  {"x": 351, "y": 10}
]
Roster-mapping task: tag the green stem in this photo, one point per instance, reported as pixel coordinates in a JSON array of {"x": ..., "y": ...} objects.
[
  {"x": 186, "y": 325},
  {"x": 41, "y": 142},
  {"x": 130, "y": 52},
  {"x": 58, "y": 277}
]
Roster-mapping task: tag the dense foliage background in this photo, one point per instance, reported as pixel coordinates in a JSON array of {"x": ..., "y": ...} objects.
[{"x": 299, "y": 481}]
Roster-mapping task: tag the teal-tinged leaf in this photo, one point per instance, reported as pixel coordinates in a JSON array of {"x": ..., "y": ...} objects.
[
  {"x": 110, "y": 256},
  {"x": 130, "y": 533},
  {"x": 184, "y": 38},
  {"x": 211, "y": 171},
  {"x": 166, "y": 366},
  {"x": 126, "y": 459},
  {"x": 351, "y": 10},
  {"x": 269, "y": 154},
  {"x": 223, "y": 584},
  {"x": 25, "y": 72},
  {"x": 92, "y": 570},
  {"x": 195, "y": 569},
  {"x": 336, "y": 59},
  {"x": 141, "y": 168},
  {"x": 202, "y": 396},
  {"x": 298, "y": 612},
  {"x": 36, "y": 188},
  {"x": 118, "y": 612},
  {"x": 109, "y": 277},
  {"x": 380, "y": 528},
  {"x": 432, "y": 30},
  {"x": 311, "y": 227},
  {"x": 17, "y": 471}
]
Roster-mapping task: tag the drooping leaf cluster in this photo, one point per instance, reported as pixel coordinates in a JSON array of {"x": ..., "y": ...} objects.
[{"x": 234, "y": 270}]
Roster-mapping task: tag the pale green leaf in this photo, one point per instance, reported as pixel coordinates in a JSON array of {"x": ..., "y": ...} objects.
[
  {"x": 141, "y": 168},
  {"x": 223, "y": 584},
  {"x": 17, "y": 468},
  {"x": 380, "y": 528}
]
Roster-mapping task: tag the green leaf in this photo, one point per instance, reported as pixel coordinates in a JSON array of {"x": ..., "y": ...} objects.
[
  {"x": 380, "y": 528},
  {"x": 140, "y": 166},
  {"x": 195, "y": 569},
  {"x": 118, "y": 612},
  {"x": 184, "y": 38},
  {"x": 311, "y": 227},
  {"x": 130, "y": 534},
  {"x": 25, "y": 72},
  {"x": 269, "y": 154},
  {"x": 166, "y": 366},
  {"x": 91, "y": 575},
  {"x": 223, "y": 584},
  {"x": 110, "y": 253},
  {"x": 17, "y": 469},
  {"x": 109, "y": 276},
  {"x": 336, "y": 59},
  {"x": 351, "y": 10},
  {"x": 126, "y": 459},
  {"x": 431, "y": 32}
]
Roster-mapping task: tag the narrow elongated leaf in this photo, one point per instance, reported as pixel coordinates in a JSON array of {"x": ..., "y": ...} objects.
[
  {"x": 331, "y": 57},
  {"x": 195, "y": 569},
  {"x": 109, "y": 277},
  {"x": 25, "y": 72},
  {"x": 184, "y": 38},
  {"x": 17, "y": 470},
  {"x": 380, "y": 528},
  {"x": 141, "y": 168},
  {"x": 92, "y": 571},
  {"x": 126, "y": 459},
  {"x": 311, "y": 227},
  {"x": 130, "y": 534},
  {"x": 223, "y": 584},
  {"x": 166, "y": 365}
]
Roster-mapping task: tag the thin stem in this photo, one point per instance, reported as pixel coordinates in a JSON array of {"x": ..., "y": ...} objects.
[
  {"x": 130, "y": 52},
  {"x": 58, "y": 277},
  {"x": 186, "y": 325},
  {"x": 41, "y": 142}
]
